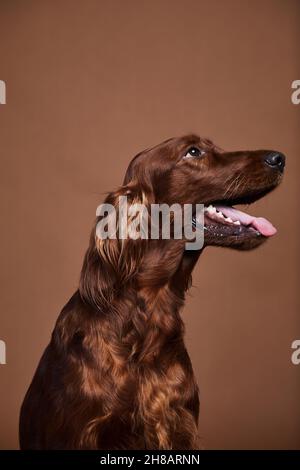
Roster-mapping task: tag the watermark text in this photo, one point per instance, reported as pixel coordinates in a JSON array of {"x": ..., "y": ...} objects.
[
  {"x": 2, "y": 352},
  {"x": 295, "y": 358},
  {"x": 159, "y": 221},
  {"x": 296, "y": 94},
  {"x": 2, "y": 92}
]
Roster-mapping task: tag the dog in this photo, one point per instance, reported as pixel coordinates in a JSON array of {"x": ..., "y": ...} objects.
[{"x": 116, "y": 374}]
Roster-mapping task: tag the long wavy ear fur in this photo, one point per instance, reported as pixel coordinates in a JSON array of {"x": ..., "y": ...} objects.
[{"x": 109, "y": 264}]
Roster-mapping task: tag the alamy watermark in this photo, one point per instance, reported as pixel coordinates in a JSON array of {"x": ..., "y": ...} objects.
[
  {"x": 2, "y": 343},
  {"x": 161, "y": 221},
  {"x": 295, "y": 358},
  {"x": 2, "y": 352},
  {"x": 2, "y": 92},
  {"x": 295, "y": 97}
]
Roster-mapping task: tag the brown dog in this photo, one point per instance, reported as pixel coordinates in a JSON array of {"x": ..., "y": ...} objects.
[{"x": 116, "y": 374}]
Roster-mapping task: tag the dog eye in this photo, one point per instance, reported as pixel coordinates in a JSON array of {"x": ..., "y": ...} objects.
[{"x": 193, "y": 152}]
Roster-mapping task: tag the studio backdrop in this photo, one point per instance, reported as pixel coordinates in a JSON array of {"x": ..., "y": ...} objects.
[{"x": 85, "y": 86}]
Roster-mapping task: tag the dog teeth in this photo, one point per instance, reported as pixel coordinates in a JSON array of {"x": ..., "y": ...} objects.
[{"x": 212, "y": 210}]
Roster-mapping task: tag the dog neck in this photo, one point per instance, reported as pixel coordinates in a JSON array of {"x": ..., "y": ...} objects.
[{"x": 147, "y": 307}]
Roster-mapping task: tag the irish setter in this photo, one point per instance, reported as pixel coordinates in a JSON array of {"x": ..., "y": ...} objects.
[{"x": 116, "y": 374}]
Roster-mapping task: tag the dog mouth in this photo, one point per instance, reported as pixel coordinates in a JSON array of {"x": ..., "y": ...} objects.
[
  {"x": 226, "y": 220},
  {"x": 226, "y": 225}
]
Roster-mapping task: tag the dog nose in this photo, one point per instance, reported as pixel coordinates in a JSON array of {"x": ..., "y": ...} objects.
[{"x": 275, "y": 160}]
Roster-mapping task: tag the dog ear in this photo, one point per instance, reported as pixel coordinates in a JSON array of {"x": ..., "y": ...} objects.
[{"x": 112, "y": 261}]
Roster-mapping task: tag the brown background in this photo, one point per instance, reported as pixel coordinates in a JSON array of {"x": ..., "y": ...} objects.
[{"x": 91, "y": 83}]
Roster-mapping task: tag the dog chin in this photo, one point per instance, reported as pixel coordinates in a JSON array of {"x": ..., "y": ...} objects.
[
  {"x": 227, "y": 226},
  {"x": 243, "y": 243}
]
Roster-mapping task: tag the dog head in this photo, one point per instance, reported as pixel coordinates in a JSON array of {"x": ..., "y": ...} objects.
[
  {"x": 186, "y": 170},
  {"x": 191, "y": 170}
]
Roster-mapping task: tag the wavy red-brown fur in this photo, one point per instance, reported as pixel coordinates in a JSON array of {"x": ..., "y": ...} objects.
[{"x": 116, "y": 374}]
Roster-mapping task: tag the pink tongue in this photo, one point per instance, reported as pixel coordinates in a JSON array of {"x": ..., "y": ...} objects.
[{"x": 259, "y": 223}]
